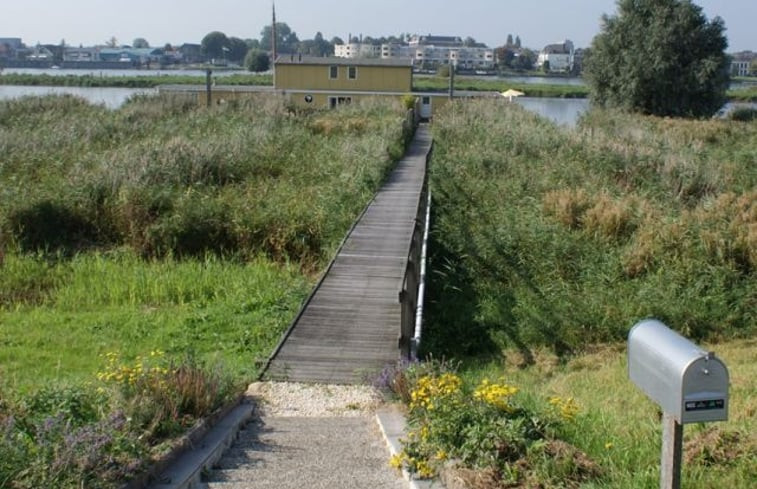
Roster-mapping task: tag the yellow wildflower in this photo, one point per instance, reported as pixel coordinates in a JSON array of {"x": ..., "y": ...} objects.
[
  {"x": 424, "y": 469},
  {"x": 429, "y": 388},
  {"x": 567, "y": 407},
  {"x": 397, "y": 460},
  {"x": 495, "y": 394}
]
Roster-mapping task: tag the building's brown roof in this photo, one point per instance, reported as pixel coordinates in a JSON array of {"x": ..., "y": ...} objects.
[{"x": 296, "y": 59}]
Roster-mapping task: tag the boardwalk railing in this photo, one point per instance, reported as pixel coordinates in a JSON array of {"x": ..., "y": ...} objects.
[{"x": 413, "y": 281}]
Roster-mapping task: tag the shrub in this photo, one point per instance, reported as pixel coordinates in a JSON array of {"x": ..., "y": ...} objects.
[
  {"x": 455, "y": 426},
  {"x": 743, "y": 114},
  {"x": 48, "y": 225},
  {"x": 165, "y": 398},
  {"x": 102, "y": 435}
]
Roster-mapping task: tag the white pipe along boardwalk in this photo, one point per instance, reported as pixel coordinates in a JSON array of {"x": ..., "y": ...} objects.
[{"x": 349, "y": 328}]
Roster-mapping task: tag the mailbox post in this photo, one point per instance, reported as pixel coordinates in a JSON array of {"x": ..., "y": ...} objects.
[{"x": 688, "y": 383}]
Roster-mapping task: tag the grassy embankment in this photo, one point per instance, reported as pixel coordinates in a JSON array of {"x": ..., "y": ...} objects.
[
  {"x": 150, "y": 81},
  {"x": 440, "y": 84},
  {"x": 152, "y": 257},
  {"x": 547, "y": 240},
  {"x": 420, "y": 84},
  {"x": 437, "y": 84}
]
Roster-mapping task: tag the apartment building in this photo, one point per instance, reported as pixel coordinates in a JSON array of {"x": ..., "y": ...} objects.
[{"x": 427, "y": 52}]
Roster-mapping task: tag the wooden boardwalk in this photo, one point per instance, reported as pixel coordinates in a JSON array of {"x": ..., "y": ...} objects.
[{"x": 350, "y": 327}]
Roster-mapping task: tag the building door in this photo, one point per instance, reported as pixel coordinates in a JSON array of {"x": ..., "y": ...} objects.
[
  {"x": 336, "y": 101},
  {"x": 426, "y": 108}
]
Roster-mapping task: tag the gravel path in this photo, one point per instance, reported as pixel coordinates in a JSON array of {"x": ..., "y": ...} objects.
[{"x": 309, "y": 436}]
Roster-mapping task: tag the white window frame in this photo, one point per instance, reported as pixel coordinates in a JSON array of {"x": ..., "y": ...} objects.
[
  {"x": 332, "y": 69},
  {"x": 337, "y": 100},
  {"x": 352, "y": 72}
]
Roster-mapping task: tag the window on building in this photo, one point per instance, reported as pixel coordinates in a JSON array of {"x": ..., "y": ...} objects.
[
  {"x": 333, "y": 72},
  {"x": 352, "y": 72},
  {"x": 334, "y": 102}
]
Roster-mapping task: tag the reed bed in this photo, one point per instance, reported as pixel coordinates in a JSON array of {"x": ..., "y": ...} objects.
[{"x": 565, "y": 238}]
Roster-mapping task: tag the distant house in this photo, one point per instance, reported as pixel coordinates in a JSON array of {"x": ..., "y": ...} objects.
[
  {"x": 40, "y": 53},
  {"x": 427, "y": 52},
  {"x": 135, "y": 56},
  {"x": 741, "y": 63},
  {"x": 441, "y": 41},
  {"x": 328, "y": 82},
  {"x": 191, "y": 53},
  {"x": 9, "y": 47},
  {"x": 81, "y": 54},
  {"x": 357, "y": 50},
  {"x": 319, "y": 83},
  {"x": 558, "y": 57}
]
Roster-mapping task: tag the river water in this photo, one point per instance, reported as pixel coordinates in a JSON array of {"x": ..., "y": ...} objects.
[
  {"x": 563, "y": 111},
  {"x": 117, "y": 73},
  {"x": 111, "y": 98}
]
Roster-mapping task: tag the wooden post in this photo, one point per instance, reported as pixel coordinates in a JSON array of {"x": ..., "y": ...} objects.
[
  {"x": 672, "y": 448},
  {"x": 451, "y": 80},
  {"x": 208, "y": 100}
]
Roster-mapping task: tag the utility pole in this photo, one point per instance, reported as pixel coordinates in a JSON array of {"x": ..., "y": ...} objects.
[{"x": 273, "y": 43}]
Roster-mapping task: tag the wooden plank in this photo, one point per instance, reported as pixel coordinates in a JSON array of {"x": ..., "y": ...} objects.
[{"x": 352, "y": 322}]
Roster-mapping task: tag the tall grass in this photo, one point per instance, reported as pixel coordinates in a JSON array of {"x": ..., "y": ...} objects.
[
  {"x": 164, "y": 177},
  {"x": 166, "y": 225},
  {"x": 564, "y": 238}
]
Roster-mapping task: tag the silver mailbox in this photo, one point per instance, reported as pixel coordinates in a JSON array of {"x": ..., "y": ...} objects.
[{"x": 687, "y": 382}]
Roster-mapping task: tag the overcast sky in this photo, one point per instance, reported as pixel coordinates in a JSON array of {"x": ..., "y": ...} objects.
[{"x": 537, "y": 22}]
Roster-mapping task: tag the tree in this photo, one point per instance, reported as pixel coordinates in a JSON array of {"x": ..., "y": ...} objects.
[
  {"x": 140, "y": 43},
  {"x": 286, "y": 38},
  {"x": 509, "y": 40},
  {"x": 237, "y": 50},
  {"x": 469, "y": 42},
  {"x": 257, "y": 60},
  {"x": 112, "y": 42},
  {"x": 517, "y": 42},
  {"x": 659, "y": 57},
  {"x": 505, "y": 56},
  {"x": 524, "y": 60},
  {"x": 213, "y": 45},
  {"x": 322, "y": 46},
  {"x": 317, "y": 46},
  {"x": 336, "y": 41}
]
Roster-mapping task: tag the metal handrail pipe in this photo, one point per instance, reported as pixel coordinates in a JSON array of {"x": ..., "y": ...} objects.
[{"x": 416, "y": 341}]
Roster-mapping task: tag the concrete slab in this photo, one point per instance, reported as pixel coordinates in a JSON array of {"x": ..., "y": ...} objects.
[{"x": 393, "y": 426}]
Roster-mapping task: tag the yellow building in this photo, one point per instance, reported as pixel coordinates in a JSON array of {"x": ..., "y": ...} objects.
[
  {"x": 328, "y": 82},
  {"x": 322, "y": 83}
]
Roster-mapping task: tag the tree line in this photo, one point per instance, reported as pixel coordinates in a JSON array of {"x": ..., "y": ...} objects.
[{"x": 253, "y": 54}]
